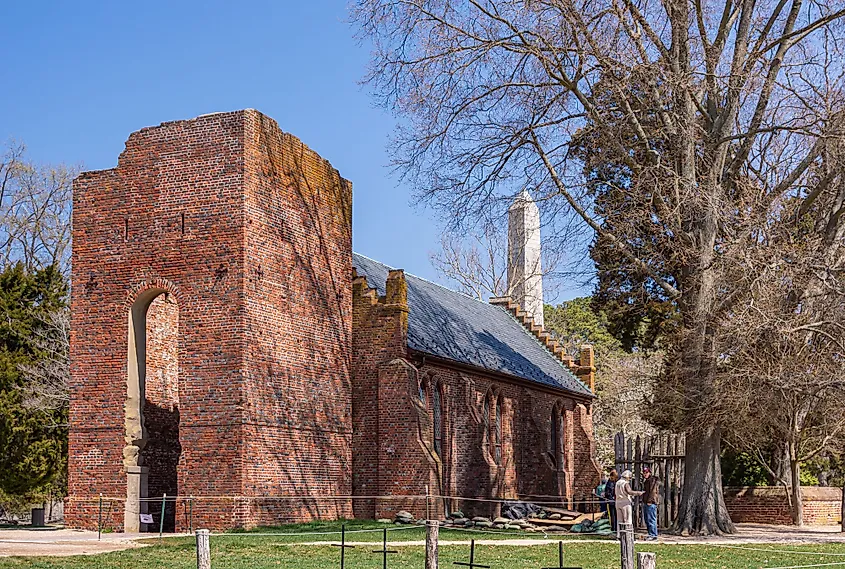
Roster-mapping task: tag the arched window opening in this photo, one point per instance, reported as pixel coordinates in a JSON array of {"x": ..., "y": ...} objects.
[
  {"x": 497, "y": 438},
  {"x": 556, "y": 437},
  {"x": 485, "y": 416},
  {"x": 437, "y": 404},
  {"x": 554, "y": 441},
  {"x": 422, "y": 394},
  {"x": 152, "y": 409}
]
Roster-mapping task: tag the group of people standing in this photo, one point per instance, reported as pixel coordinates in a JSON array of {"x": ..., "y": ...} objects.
[{"x": 617, "y": 499}]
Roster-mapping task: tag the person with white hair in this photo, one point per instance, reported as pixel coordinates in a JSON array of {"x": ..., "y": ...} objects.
[{"x": 624, "y": 502}]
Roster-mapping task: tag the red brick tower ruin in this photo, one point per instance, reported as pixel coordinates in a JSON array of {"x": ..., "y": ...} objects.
[{"x": 211, "y": 329}]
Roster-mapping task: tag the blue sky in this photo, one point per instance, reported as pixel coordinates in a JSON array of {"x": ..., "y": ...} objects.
[{"x": 78, "y": 77}]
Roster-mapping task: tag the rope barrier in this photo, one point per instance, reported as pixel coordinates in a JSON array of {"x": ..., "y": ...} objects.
[
  {"x": 526, "y": 535},
  {"x": 261, "y": 534},
  {"x": 766, "y": 550},
  {"x": 556, "y": 503},
  {"x": 493, "y": 531},
  {"x": 803, "y": 566}
]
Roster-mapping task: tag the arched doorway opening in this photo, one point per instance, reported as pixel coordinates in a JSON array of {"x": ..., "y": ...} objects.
[{"x": 152, "y": 451}]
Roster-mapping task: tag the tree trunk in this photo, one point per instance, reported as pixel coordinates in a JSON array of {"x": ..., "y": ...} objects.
[
  {"x": 780, "y": 464},
  {"x": 797, "y": 503},
  {"x": 702, "y": 509}
]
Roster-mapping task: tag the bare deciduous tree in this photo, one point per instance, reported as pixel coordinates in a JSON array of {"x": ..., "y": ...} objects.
[
  {"x": 624, "y": 384},
  {"x": 476, "y": 262},
  {"x": 46, "y": 387},
  {"x": 696, "y": 118},
  {"x": 35, "y": 211},
  {"x": 782, "y": 348}
]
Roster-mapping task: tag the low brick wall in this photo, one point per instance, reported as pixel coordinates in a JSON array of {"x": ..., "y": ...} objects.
[{"x": 769, "y": 505}]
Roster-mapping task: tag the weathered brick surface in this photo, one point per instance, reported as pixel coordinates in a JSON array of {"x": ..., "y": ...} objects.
[
  {"x": 379, "y": 336},
  {"x": 298, "y": 322},
  {"x": 265, "y": 365},
  {"x": 249, "y": 232},
  {"x": 770, "y": 505},
  {"x": 387, "y": 400}
]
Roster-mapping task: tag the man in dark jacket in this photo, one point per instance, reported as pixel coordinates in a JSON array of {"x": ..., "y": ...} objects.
[
  {"x": 650, "y": 497},
  {"x": 610, "y": 497}
]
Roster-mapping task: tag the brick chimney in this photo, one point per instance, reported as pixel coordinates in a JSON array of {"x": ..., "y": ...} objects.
[{"x": 525, "y": 275}]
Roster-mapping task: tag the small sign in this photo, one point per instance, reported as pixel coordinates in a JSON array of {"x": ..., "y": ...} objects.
[{"x": 146, "y": 518}]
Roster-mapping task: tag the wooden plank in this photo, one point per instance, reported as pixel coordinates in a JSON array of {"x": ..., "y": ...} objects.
[
  {"x": 546, "y": 522},
  {"x": 674, "y": 501},
  {"x": 562, "y": 511},
  {"x": 618, "y": 450}
]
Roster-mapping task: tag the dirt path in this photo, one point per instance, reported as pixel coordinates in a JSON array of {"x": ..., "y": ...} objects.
[{"x": 62, "y": 542}]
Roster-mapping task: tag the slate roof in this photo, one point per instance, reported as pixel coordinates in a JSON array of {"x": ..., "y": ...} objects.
[{"x": 451, "y": 325}]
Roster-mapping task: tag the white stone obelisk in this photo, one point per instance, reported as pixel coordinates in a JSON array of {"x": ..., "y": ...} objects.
[{"x": 525, "y": 274}]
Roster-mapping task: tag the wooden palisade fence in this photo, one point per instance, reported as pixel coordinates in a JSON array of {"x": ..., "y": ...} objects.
[{"x": 664, "y": 455}]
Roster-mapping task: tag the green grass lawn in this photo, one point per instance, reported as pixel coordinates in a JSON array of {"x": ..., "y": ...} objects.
[{"x": 256, "y": 550}]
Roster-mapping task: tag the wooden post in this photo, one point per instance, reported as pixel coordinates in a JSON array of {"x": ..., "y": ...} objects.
[
  {"x": 638, "y": 480},
  {"x": 842, "y": 511},
  {"x": 626, "y": 545},
  {"x": 203, "y": 550},
  {"x": 646, "y": 560},
  {"x": 431, "y": 533},
  {"x": 618, "y": 450},
  {"x": 666, "y": 484}
]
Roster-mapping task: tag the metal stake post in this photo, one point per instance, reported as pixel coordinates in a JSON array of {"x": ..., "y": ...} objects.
[
  {"x": 384, "y": 551},
  {"x": 161, "y": 522},
  {"x": 342, "y": 545},
  {"x": 472, "y": 564},
  {"x": 100, "y": 518},
  {"x": 560, "y": 558}
]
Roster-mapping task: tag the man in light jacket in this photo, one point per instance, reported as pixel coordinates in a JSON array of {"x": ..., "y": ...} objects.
[{"x": 624, "y": 502}]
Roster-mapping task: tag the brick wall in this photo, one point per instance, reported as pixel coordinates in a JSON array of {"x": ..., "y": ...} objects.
[
  {"x": 393, "y": 396},
  {"x": 249, "y": 233},
  {"x": 298, "y": 430},
  {"x": 168, "y": 217},
  {"x": 379, "y": 337},
  {"x": 526, "y": 467},
  {"x": 769, "y": 505}
]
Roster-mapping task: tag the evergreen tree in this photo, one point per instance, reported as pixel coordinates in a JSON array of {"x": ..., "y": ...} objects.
[
  {"x": 576, "y": 322},
  {"x": 33, "y": 442}
]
